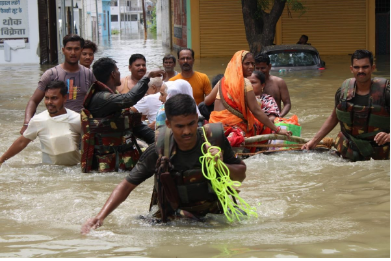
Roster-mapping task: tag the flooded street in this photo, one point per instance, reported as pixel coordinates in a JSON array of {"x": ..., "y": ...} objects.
[{"x": 308, "y": 204}]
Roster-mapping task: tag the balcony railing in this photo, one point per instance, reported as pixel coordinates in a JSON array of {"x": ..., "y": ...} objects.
[{"x": 129, "y": 9}]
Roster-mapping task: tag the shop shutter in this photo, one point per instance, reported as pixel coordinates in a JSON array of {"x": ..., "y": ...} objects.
[
  {"x": 43, "y": 31},
  {"x": 334, "y": 27},
  {"x": 221, "y": 28}
]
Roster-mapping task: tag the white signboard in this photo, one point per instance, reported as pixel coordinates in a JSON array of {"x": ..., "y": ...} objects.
[{"x": 14, "y": 21}]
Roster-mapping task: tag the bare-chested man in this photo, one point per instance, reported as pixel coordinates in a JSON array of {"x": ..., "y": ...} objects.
[
  {"x": 138, "y": 68},
  {"x": 275, "y": 86}
]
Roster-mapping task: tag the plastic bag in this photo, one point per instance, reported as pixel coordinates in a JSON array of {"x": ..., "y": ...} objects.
[{"x": 294, "y": 120}]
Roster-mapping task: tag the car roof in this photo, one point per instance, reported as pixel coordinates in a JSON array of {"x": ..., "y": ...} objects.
[{"x": 289, "y": 47}]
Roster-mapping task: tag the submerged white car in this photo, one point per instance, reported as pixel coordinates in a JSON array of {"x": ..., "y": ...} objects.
[{"x": 292, "y": 57}]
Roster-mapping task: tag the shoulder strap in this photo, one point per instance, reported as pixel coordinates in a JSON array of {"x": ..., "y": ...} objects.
[
  {"x": 164, "y": 143},
  {"x": 96, "y": 86},
  {"x": 347, "y": 89},
  {"x": 166, "y": 191},
  {"x": 347, "y": 92},
  {"x": 54, "y": 75},
  {"x": 167, "y": 135},
  {"x": 378, "y": 89},
  {"x": 227, "y": 106}
]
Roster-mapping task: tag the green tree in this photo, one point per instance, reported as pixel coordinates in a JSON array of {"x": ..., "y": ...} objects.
[
  {"x": 152, "y": 22},
  {"x": 260, "y": 20}
]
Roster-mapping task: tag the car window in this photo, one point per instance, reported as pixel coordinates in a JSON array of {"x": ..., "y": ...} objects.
[{"x": 291, "y": 58}]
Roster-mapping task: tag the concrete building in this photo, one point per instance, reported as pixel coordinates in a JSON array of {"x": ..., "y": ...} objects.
[
  {"x": 105, "y": 19},
  {"x": 126, "y": 16},
  {"x": 96, "y": 22},
  {"x": 33, "y": 30},
  {"x": 92, "y": 17},
  {"x": 69, "y": 20}
]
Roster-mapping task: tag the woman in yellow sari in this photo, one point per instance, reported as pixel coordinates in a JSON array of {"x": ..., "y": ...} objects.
[{"x": 235, "y": 105}]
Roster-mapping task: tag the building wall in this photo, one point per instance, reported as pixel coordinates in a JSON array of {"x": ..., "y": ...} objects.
[
  {"x": 88, "y": 28},
  {"x": 126, "y": 24},
  {"x": 334, "y": 27},
  {"x": 89, "y": 18},
  {"x": 114, "y": 11},
  {"x": 179, "y": 22},
  {"x": 159, "y": 17},
  {"x": 81, "y": 17},
  {"x": 30, "y": 53},
  {"x": 105, "y": 18},
  {"x": 163, "y": 21},
  {"x": 87, "y": 6}
]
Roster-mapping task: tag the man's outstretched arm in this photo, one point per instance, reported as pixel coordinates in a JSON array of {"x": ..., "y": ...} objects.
[
  {"x": 16, "y": 147},
  {"x": 119, "y": 195},
  {"x": 31, "y": 108},
  {"x": 327, "y": 126}
]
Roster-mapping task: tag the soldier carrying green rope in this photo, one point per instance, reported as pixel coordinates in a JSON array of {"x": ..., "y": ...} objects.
[{"x": 180, "y": 188}]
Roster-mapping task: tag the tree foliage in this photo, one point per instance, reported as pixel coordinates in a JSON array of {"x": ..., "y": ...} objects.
[
  {"x": 152, "y": 21},
  {"x": 261, "y": 16}
]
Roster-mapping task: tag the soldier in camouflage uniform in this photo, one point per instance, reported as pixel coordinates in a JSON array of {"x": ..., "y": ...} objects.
[
  {"x": 109, "y": 127},
  {"x": 362, "y": 107},
  {"x": 180, "y": 187}
]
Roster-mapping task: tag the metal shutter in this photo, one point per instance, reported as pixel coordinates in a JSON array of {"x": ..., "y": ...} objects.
[
  {"x": 43, "y": 31},
  {"x": 334, "y": 27},
  {"x": 221, "y": 28}
]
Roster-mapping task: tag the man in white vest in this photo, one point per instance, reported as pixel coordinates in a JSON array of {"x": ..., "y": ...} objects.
[{"x": 58, "y": 129}]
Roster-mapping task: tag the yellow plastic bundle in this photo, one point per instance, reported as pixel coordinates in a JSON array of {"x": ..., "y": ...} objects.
[{"x": 218, "y": 174}]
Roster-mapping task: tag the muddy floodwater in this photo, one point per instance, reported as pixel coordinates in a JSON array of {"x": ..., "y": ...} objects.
[{"x": 308, "y": 204}]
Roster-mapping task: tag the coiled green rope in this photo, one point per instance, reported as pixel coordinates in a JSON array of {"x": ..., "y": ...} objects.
[{"x": 222, "y": 185}]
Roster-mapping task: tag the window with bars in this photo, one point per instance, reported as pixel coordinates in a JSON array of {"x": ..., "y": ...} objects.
[{"x": 382, "y": 6}]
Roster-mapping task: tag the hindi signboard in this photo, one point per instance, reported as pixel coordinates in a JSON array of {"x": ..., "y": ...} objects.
[{"x": 14, "y": 21}]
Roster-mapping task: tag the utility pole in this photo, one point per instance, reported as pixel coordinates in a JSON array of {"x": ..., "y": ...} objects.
[
  {"x": 83, "y": 23},
  {"x": 145, "y": 21},
  {"x": 72, "y": 18},
  {"x": 63, "y": 19},
  {"x": 97, "y": 22},
  {"x": 119, "y": 15}
]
